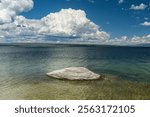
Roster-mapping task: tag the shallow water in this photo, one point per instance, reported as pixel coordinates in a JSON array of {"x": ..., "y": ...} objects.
[{"x": 23, "y": 71}]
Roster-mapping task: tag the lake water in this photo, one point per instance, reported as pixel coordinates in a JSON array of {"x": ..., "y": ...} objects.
[{"x": 23, "y": 70}]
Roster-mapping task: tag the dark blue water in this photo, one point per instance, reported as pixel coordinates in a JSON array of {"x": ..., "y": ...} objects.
[{"x": 29, "y": 63}]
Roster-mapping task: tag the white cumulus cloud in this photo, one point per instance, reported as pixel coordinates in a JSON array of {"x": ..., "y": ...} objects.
[
  {"x": 145, "y": 23},
  {"x": 70, "y": 22},
  {"x": 91, "y": 1},
  {"x": 66, "y": 23},
  {"x": 120, "y": 1},
  {"x": 10, "y": 8},
  {"x": 140, "y": 7},
  {"x": 143, "y": 39},
  {"x": 125, "y": 40}
]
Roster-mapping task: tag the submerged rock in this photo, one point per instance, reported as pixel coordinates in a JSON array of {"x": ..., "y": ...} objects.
[{"x": 74, "y": 73}]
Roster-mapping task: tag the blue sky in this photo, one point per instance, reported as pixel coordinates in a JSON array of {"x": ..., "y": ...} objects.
[
  {"x": 117, "y": 19},
  {"x": 103, "y": 21}
]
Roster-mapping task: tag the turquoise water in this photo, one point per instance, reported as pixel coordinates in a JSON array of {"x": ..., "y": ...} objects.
[{"x": 23, "y": 67}]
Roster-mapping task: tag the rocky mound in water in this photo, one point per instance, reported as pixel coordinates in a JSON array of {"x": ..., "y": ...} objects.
[{"x": 74, "y": 73}]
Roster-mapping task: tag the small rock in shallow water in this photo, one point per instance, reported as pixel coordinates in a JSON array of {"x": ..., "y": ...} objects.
[{"x": 74, "y": 73}]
